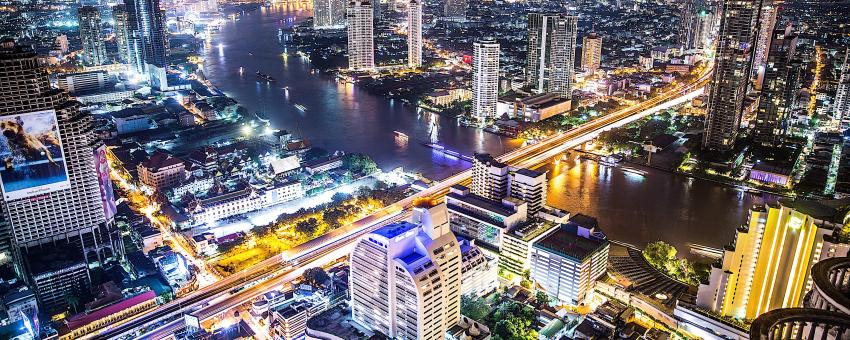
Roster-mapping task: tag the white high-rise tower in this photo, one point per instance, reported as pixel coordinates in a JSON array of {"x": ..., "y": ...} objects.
[
  {"x": 361, "y": 43},
  {"x": 414, "y": 33},
  {"x": 485, "y": 79}
]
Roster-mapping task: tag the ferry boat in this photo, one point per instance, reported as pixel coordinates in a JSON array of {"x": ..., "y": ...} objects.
[
  {"x": 300, "y": 107},
  {"x": 400, "y": 134},
  {"x": 266, "y": 77}
]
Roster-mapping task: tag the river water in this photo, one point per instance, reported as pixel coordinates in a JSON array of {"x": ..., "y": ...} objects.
[{"x": 632, "y": 206}]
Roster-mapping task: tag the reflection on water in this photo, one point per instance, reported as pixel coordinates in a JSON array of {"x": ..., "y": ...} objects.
[
  {"x": 640, "y": 205},
  {"x": 635, "y": 206}
]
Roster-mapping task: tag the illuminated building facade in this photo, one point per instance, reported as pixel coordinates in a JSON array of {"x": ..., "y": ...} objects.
[
  {"x": 328, "y": 13},
  {"x": 551, "y": 53},
  {"x": 361, "y": 42},
  {"x": 591, "y": 52},
  {"x": 770, "y": 263},
  {"x": 778, "y": 88},
  {"x": 414, "y": 33},
  {"x": 485, "y": 79},
  {"x": 91, "y": 35},
  {"x": 842, "y": 94}
]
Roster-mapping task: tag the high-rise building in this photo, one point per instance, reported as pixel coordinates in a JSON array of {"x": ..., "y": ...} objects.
[
  {"x": 59, "y": 223},
  {"x": 485, "y": 78},
  {"x": 731, "y": 72},
  {"x": 769, "y": 265},
  {"x": 482, "y": 219},
  {"x": 361, "y": 48},
  {"x": 405, "y": 277},
  {"x": 120, "y": 16},
  {"x": 479, "y": 271},
  {"x": 696, "y": 24},
  {"x": 529, "y": 186},
  {"x": 147, "y": 40},
  {"x": 767, "y": 23},
  {"x": 779, "y": 87},
  {"x": 490, "y": 178},
  {"x": 91, "y": 35},
  {"x": 414, "y": 33},
  {"x": 841, "y": 110},
  {"x": 328, "y": 13},
  {"x": 455, "y": 9},
  {"x": 551, "y": 53},
  {"x": 567, "y": 261},
  {"x": 591, "y": 52},
  {"x": 377, "y": 11}
]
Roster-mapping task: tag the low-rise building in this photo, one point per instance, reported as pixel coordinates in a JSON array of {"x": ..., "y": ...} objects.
[
  {"x": 446, "y": 97},
  {"x": 161, "y": 171},
  {"x": 566, "y": 262},
  {"x": 533, "y": 108},
  {"x": 323, "y": 164}
]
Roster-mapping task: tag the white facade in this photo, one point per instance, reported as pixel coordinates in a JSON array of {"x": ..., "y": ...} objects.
[
  {"x": 361, "y": 41},
  {"x": 551, "y": 53},
  {"x": 406, "y": 277},
  {"x": 567, "y": 262},
  {"x": 91, "y": 35},
  {"x": 841, "y": 110},
  {"x": 490, "y": 178},
  {"x": 479, "y": 272},
  {"x": 485, "y": 79},
  {"x": 328, "y": 13},
  {"x": 414, "y": 33},
  {"x": 529, "y": 186}
]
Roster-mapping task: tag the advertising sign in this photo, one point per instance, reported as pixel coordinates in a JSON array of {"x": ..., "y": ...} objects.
[
  {"x": 33, "y": 162},
  {"x": 107, "y": 196}
]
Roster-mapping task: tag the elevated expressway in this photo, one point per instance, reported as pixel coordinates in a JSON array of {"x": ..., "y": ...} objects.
[{"x": 275, "y": 271}]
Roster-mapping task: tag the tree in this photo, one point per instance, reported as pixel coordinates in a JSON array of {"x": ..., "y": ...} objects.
[
  {"x": 512, "y": 320},
  {"x": 659, "y": 254},
  {"x": 541, "y": 298},
  {"x": 72, "y": 300},
  {"x": 315, "y": 276},
  {"x": 360, "y": 164},
  {"x": 473, "y": 307},
  {"x": 307, "y": 227}
]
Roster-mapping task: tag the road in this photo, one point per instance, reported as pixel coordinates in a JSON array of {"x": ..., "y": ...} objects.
[{"x": 271, "y": 272}]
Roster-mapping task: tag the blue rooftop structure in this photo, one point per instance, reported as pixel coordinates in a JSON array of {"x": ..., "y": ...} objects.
[{"x": 392, "y": 230}]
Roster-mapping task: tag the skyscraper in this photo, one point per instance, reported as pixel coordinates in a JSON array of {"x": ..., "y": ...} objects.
[
  {"x": 59, "y": 223},
  {"x": 591, "y": 52},
  {"x": 490, "y": 178},
  {"x": 767, "y": 22},
  {"x": 842, "y": 94},
  {"x": 529, "y": 186},
  {"x": 414, "y": 33},
  {"x": 405, "y": 277},
  {"x": 485, "y": 78},
  {"x": 328, "y": 13},
  {"x": 455, "y": 9},
  {"x": 376, "y": 10},
  {"x": 91, "y": 35},
  {"x": 551, "y": 53},
  {"x": 779, "y": 88},
  {"x": 119, "y": 15},
  {"x": 731, "y": 72},
  {"x": 361, "y": 49},
  {"x": 147, "y": 40},
  {"x": 769, "y": 265},
  {"x": 696, "y": 24}
]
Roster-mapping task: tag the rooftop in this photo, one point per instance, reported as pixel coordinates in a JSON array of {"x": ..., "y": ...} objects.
[
  {"x": 392, "y": 230},
  {"x": 567, "y": 242}
]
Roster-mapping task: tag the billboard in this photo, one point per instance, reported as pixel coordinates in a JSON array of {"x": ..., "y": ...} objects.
[
  {"x": 33, "y": 162},
  {"x": 107, "y": 196}
]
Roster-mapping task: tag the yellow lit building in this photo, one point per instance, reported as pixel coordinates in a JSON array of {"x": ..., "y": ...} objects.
[{"x": 768, "y": 266}]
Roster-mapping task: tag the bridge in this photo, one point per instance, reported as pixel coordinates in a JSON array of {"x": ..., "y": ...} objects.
[{"x": 277, "y": 270}]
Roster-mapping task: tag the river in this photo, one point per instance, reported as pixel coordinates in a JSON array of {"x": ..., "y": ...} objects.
[{"x": 632, "y": 206}]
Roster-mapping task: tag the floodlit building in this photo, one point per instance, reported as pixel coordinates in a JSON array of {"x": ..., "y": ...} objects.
[
  {"x": 405, "y": 277},
  {"x": 479, "y": 271},
  {"x": 769, "y": 265},
  {"x": 485, "y": 79},
  {"x": 567, "y": 261},
  {"x": 841, "y": 110},
  {"x": 731, "y": 73},
  {"x": 515, "y": 253},
  {"x": 551, "y": 53},
  {"x": 591, "y": 52},
  {"x": 91, "y": 35},
  {"x": 361, "y": 48},
  {"x": 161, "y": 171},
  {"x": 529, "y": 186},
  {"x": 414, "y": 33},
  {"x": 147, "y": 40},
  {"x": 490, "y": 178}
]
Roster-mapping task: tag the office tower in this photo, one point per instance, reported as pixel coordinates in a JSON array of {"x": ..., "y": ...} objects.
[
  {"x": 455, "y": 9},
  {"x": 59, "y": 223},
  {"x": 485, "y": 78},
  {"x": 767, "y": 23},
  {"x": 688, "y": 24},
  {"x": 147, "y": 40},
  {"x": 770, "y": 263},
  {"x": 328, "y": 13},
  {"x": 841, "y": 110},
  {"x": 490, "y": 178},
  {"x": 482, "y": 219},
  {"x": 361, "y": 49},
  {"x": 414, "y": 33},
  {"x": 731, "y": 73},
  {"x": 779, "y": 87},
  {"x": 567, "y": 261},
  {"x": 405, "y": 277},
  {"x": 529, "y": 186},
  {"x": 91, "y": 35},
  {"x": 551, "y": 53},
  {"x": 119, "y": 15},
  {"x": 591, "y": 52}
]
